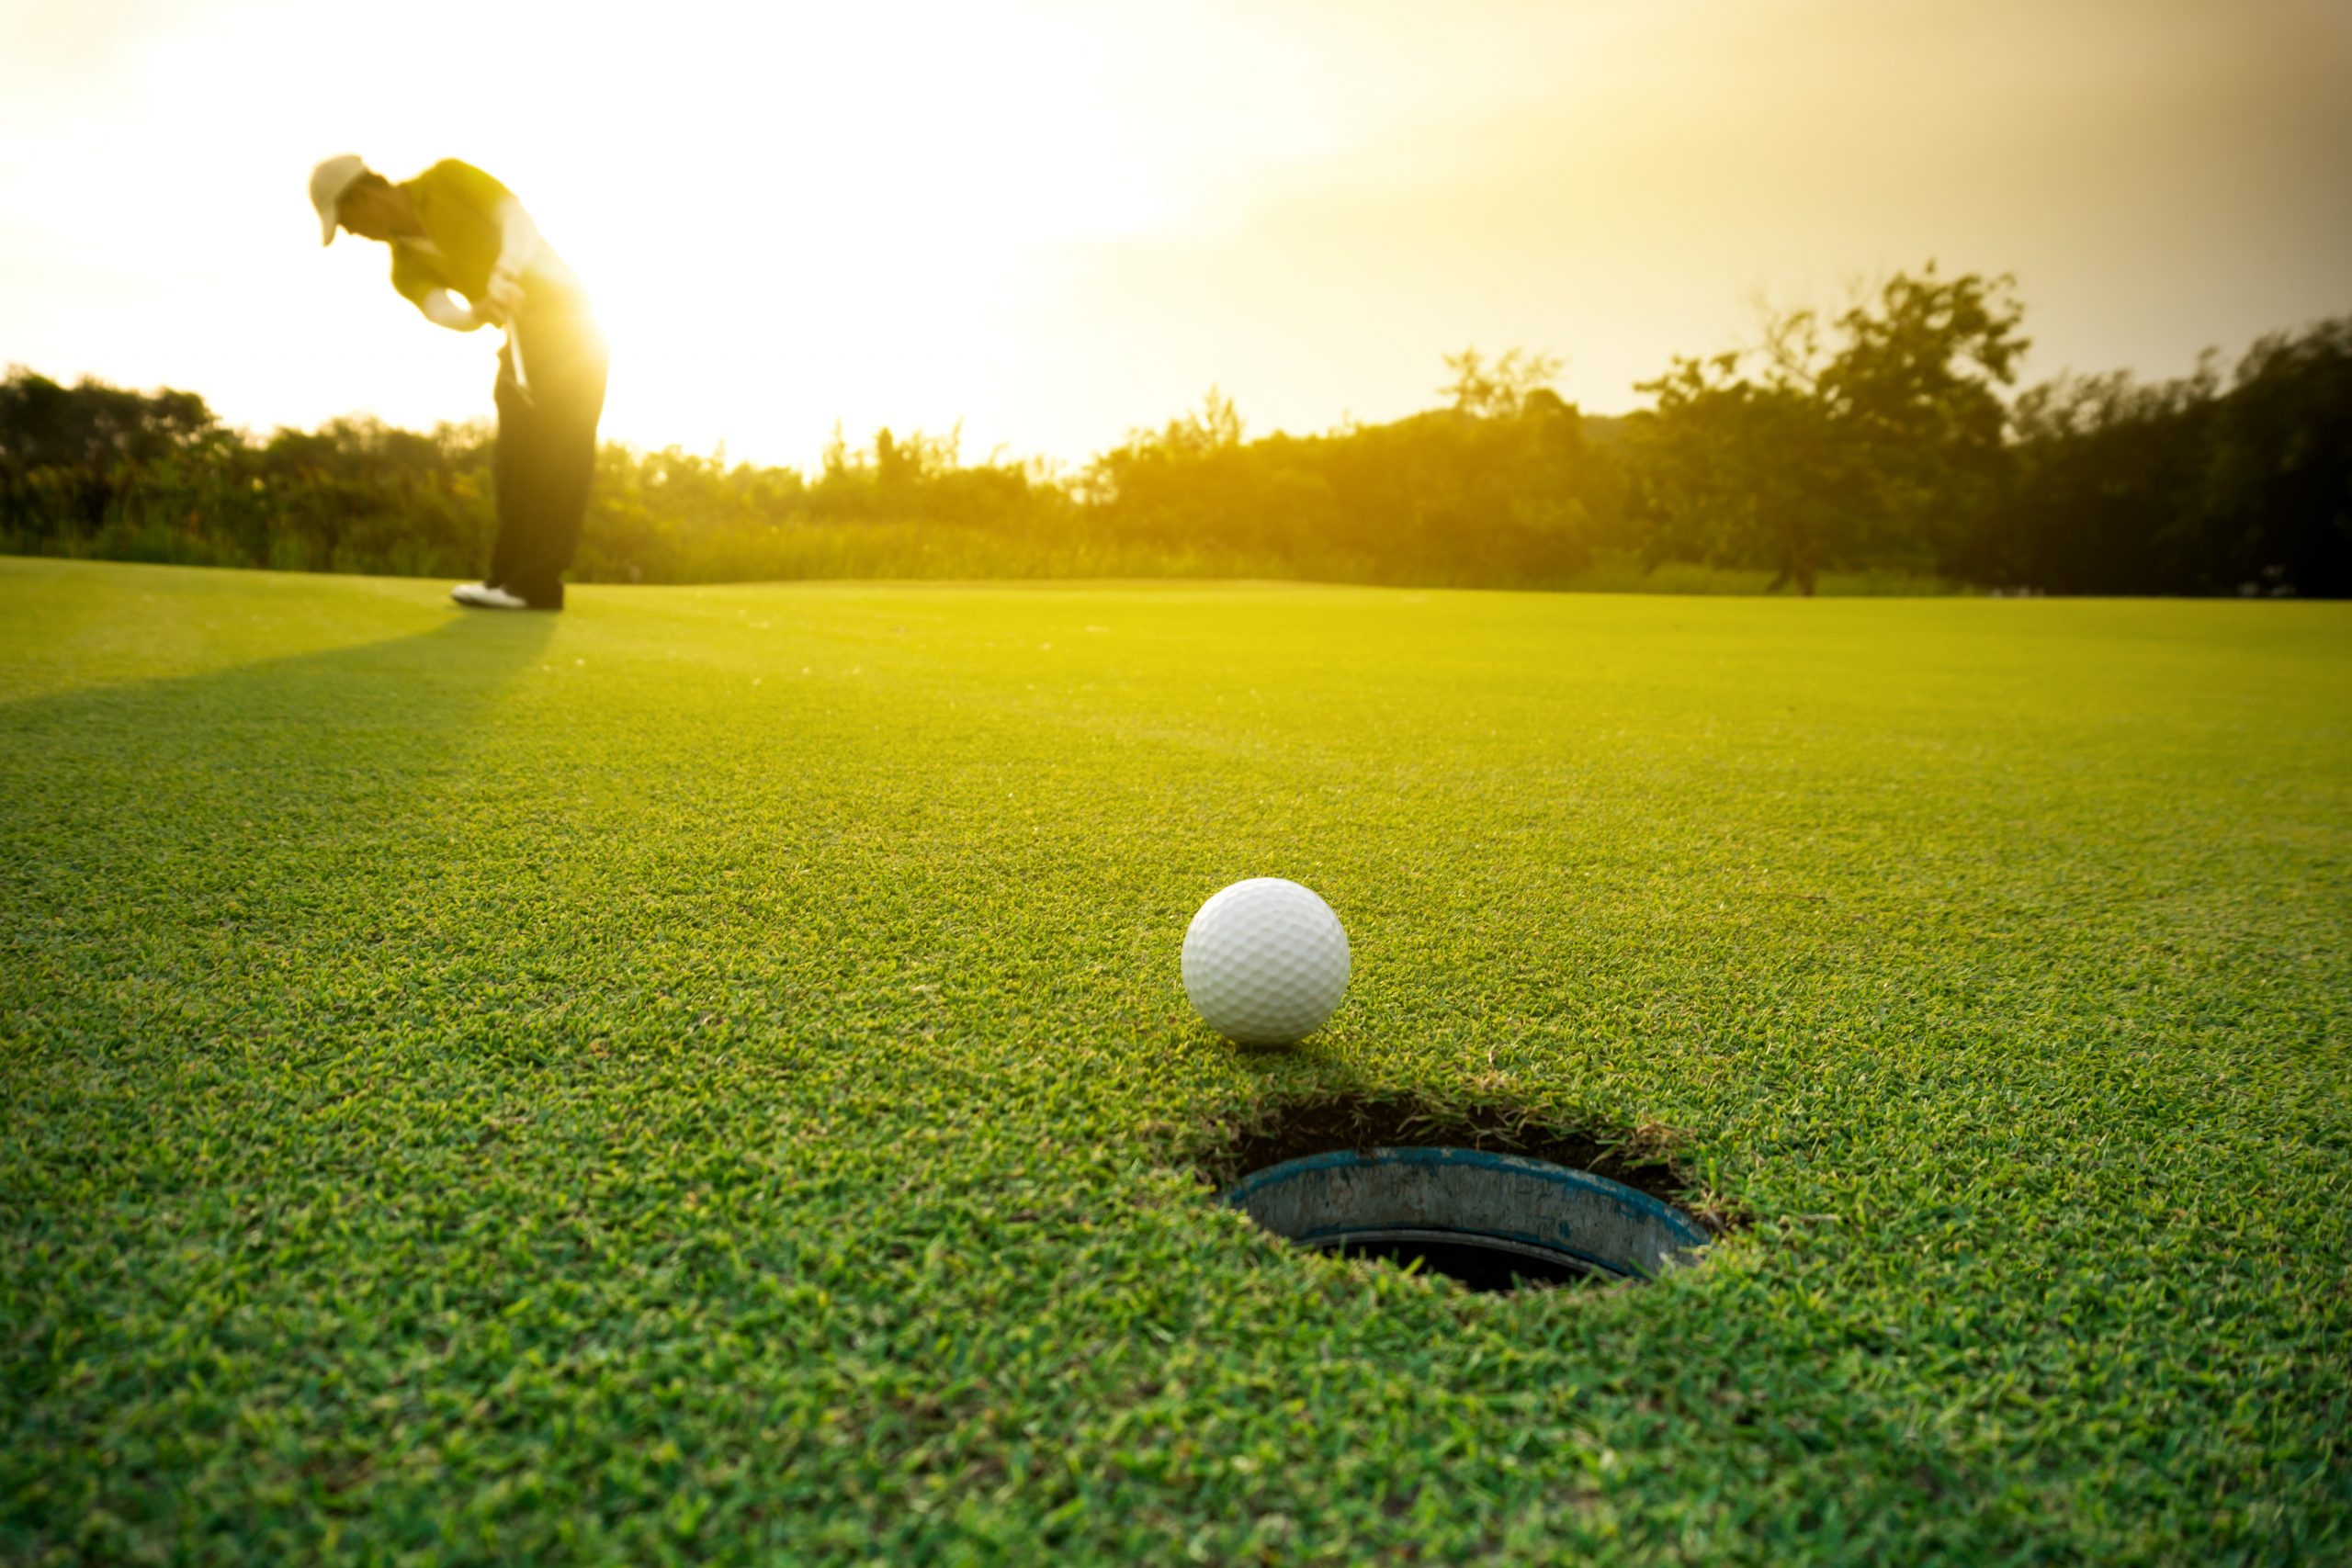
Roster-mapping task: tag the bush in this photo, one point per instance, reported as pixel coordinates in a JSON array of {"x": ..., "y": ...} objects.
[{"x": 1873, "y": 450}]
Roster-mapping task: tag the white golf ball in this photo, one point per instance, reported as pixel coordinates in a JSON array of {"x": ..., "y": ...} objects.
[{"x": 1265, "y": 962}]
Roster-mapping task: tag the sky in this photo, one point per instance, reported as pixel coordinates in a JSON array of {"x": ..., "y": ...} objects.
[{"x": 1055, "y": 222}]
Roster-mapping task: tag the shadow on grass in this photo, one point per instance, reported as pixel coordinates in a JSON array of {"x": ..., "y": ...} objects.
[
  {"x": 470, "y": 655},
  {"x": 197, "y": 801}
]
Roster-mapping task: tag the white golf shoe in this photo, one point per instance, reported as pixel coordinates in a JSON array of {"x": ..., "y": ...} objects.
[{"x": 487, "y": 596}]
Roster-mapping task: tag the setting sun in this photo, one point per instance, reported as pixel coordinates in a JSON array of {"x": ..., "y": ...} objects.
[{"x": 1053, "y": 222}]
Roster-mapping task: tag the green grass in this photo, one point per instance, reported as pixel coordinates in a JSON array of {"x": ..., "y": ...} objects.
[{"x": 704, "y": 1076}]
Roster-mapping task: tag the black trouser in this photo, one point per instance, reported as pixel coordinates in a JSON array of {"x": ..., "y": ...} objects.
[{"x": 547, "y": 450}]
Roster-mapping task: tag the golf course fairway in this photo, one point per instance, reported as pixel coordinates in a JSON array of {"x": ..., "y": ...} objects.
[{"x": 704, "y": 1076}]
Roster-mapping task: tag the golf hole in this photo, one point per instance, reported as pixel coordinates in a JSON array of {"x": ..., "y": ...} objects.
[{"x": 1411, "y": 1185}]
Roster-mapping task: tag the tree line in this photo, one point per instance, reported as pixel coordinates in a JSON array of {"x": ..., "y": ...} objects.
[{"x": 1887, "y": 438}]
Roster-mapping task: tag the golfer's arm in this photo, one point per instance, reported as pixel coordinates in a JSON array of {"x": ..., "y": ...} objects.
[
  {"x": 441, "y": 308},
  {"x": 518, "y": 238}
]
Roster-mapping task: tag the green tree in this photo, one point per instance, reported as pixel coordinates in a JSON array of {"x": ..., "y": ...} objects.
[
  {"x": 91, "y": 425},
  {"x": 2106, "y": 493},
  {"x": 1876, "y": 438},
  {"x": 2275, "y": 501},
  {"x": 1497, "y": 388}
]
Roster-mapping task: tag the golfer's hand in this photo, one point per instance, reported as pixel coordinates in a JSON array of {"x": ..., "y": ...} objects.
[
  {"x": 489, "y": 312},
  {"x": 507, "y": 290}
]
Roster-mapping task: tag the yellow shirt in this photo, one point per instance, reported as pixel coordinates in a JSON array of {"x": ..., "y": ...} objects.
[{"x": 459, "y": 206}]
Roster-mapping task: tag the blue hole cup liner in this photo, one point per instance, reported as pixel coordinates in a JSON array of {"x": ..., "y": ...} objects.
[{"x": 1508, "y": 1203}]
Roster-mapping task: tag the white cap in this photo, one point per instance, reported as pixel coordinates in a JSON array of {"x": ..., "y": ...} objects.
[{"x": 328, "y": 182}]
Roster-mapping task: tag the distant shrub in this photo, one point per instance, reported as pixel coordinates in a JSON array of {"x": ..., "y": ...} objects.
[{"x": 1874, "y": 451}]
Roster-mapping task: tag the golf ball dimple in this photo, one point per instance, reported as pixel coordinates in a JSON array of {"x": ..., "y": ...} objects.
[{"x": 1265, "y": 962}]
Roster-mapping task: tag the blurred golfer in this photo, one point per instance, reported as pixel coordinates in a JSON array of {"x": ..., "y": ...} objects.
[{"x": 455, "y": 232}]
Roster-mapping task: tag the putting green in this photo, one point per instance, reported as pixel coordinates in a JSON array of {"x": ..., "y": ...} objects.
[{"x": 706, "y": 1075}]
